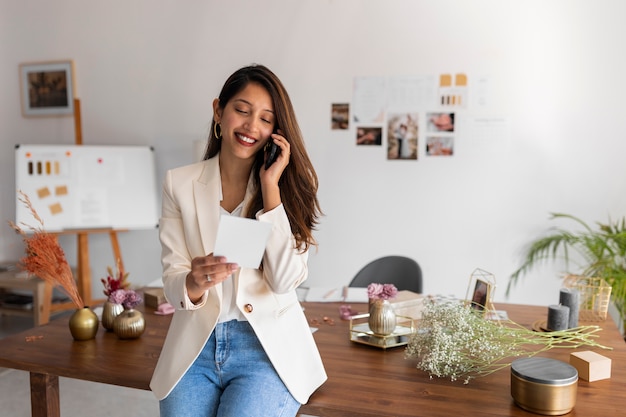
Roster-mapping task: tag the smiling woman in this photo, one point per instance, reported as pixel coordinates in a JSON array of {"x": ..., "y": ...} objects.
[
  {"x": 222, "y": 307},
  {"x": 246, "y": 120},
  {"x": 245, "y": 125}
]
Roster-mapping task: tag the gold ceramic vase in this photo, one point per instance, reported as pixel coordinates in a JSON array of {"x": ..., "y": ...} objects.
[
  {"x": 109, "y": 312},
  {"x": 382, "y": 318},
  {"x": 129, "y": 324},
  {"x": 84, "y": 324}
]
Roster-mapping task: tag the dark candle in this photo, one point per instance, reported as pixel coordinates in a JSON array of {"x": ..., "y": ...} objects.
[
  {"x": 558, "y": 317},
  {"x": 569, "y": 297}
]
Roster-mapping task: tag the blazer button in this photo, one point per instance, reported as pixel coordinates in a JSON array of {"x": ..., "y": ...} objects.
[
  {"x": 248, "y": 308},
  {"x": 182, "y": 304}
]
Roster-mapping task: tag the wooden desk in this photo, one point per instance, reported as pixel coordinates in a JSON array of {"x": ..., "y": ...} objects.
[{"x": 363, "y": 381}]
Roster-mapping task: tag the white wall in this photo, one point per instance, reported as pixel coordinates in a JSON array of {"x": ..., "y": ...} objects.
[{"x": 147, "y": 72}]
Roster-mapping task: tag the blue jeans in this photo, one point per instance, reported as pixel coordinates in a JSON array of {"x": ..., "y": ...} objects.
[{"x": 232, "y": 377}]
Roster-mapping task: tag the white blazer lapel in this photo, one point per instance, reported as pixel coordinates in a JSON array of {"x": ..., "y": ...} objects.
[{"x": 207, "y": 191}]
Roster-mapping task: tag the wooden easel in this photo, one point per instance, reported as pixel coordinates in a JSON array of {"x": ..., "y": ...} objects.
[{"x": 84, "y": 272}]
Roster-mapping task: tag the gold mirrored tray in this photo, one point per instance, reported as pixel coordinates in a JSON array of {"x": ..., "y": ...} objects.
[{"x": 360, "y": 332}]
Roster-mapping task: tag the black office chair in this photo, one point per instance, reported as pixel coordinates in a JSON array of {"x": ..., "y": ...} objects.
[{"x": 401, "y": 271}]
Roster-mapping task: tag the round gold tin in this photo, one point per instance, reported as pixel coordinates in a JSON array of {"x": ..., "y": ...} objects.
[{"x": 544, "y": 386}]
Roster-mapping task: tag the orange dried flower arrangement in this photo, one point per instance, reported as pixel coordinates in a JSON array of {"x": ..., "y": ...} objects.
[{"x": 45, "y": 257}]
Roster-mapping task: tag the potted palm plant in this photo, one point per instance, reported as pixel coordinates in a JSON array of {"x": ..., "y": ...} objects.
[{"x": 602, "y": 254}]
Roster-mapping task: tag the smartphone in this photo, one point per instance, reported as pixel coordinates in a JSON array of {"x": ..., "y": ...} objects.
[{"x": 272, "y": 151}]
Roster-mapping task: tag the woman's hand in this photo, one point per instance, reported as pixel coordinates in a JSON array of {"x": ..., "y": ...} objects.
[
  {"x": 273, "y": 173},
  {"x": 271, "y": 176},
  {"x": 206, "y": 272}
]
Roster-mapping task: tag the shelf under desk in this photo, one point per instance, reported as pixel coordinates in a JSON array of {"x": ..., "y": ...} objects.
[{"x": 42, "y": 295}]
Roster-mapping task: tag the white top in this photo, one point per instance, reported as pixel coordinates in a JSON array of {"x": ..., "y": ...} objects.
[{"x": 229, "y": 309}]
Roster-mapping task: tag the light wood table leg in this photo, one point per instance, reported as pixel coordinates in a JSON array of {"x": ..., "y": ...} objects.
[
  {"x": 117, "y": 254},
  {"x": 44, "y": 395},
  {"x": 84, "y": 274},
  {"x": 42, "y": 300}
]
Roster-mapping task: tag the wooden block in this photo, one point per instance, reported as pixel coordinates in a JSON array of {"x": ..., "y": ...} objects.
[
  {"x": 591, "y": 366},
  {"x": 153, "y": 297}
]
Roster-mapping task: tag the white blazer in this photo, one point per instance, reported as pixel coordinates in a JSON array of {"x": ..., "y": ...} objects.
[{"x": 187, "y": 229}]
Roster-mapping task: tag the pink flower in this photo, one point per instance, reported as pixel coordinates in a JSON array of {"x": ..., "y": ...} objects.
[
  {"x": 128, "y": 298},
  {"x": 117, "y": 296},
  {"x": 377, "y": 291},
  {"x": 389, "y": 291},
  {"x": 132, "y": 300},
  {"x": 374, "y": 290}
]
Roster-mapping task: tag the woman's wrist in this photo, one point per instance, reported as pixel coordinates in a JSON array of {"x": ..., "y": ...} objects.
[
  {"x": 271, "y": 197},
  {"x": 194, "y": 292}
]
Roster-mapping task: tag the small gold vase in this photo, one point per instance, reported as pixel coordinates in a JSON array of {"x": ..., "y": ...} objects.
[
  {"x": 109, "y": 312},
  {"x": 84, "y": 324},
  {"x": 382, "y": 319},
  {"x": 129, "y": 324}
]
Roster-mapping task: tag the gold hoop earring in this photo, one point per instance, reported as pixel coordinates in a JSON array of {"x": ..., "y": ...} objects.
[{"x": 217, "y": 136}]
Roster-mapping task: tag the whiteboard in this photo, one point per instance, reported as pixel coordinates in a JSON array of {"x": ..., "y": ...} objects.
[{"x": 87, "y": 187}]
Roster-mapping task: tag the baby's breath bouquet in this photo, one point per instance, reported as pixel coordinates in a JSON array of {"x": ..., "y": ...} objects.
[{"x": 455, "y": 342}]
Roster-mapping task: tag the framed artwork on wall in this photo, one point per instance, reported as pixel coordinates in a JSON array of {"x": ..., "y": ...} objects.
[{"x": 47, "y": 88}]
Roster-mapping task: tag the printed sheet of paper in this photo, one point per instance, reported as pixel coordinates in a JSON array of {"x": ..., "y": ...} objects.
[
  {"x": 369, "y": 99},
  {"x": 408, "y": 94},
  {"x": 242, "y": 240}
]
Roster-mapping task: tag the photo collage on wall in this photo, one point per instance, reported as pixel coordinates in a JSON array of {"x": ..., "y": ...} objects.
[{"x": 409, "y": 116}]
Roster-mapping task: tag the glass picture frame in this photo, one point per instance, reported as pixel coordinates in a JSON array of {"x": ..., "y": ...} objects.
[
  {"x": 47, "y": 88},
  {"x": 480, "y": 291}
]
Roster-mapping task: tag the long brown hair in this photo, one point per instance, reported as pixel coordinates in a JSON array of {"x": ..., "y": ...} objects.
[{"x": 298, "y": 183}]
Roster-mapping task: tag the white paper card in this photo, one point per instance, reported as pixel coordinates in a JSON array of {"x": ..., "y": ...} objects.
[
  {"x": 324, "y": 294},
  {"x": 356, "y": 295},
  {"x": 242, "y": 240},
  {"x": 334, "y": 294}
]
